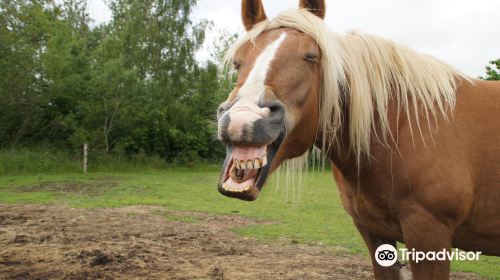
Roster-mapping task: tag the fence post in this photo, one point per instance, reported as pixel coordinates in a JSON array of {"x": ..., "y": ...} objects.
[{"x": 85, "y": 156}]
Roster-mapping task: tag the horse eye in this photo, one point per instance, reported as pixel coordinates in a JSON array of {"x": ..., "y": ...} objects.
[{"x": 311, "y": 57}]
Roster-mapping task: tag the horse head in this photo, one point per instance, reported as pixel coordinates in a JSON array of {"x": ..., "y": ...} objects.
[{"x": 272, "y": 113}]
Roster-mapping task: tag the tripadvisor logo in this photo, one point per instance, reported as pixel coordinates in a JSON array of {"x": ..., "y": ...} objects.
[{"x": 387, "y": 255}]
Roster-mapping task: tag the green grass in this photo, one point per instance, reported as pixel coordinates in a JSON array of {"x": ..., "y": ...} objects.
[
  {"x": 317, "y": 217},
  {"x": 33, "y": 161}
]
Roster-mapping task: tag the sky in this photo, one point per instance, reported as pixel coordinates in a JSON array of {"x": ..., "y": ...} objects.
[{"x": 463, "y": 33}]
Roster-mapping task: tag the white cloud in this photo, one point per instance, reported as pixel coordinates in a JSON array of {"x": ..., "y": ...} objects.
[
  {"x": 99, "y": 11},
  {"x": 463, "y": 33}
]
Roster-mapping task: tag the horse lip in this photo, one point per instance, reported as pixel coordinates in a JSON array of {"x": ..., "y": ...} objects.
[
  {"x": 273, "y": 149},
  {"x": 263, "y": 173},
  {"x": 251, "y": 196}
]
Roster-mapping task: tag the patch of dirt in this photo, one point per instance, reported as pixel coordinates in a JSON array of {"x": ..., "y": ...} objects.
[
  {"x": 78, "y": 188},
  {"x": 58, "y": 242}
]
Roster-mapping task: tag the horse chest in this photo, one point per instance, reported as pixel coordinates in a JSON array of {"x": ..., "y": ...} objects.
[{"x": 378, "y": 213}]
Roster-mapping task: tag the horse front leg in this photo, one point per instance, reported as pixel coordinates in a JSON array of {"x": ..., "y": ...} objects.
[
  {"x": 373, "y": 241},
  {"x": 424, "y": 233}
]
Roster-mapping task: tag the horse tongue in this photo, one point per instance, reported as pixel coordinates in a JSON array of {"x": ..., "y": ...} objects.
[{"x": 242, "y": 175}]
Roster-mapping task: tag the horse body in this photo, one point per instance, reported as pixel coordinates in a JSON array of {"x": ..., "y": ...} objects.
[
  {"x": 414, "y": 144},
  {"x": 448, "y": 185},
  {"x": 477, "y": 120}
]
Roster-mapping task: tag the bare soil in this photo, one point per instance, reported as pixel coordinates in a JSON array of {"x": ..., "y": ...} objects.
[
  {"x": 91, "y": 188},
  {"x": 59, "y": 242}
]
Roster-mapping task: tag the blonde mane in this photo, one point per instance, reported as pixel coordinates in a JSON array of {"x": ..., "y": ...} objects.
[{"x": 370, "y": 71}]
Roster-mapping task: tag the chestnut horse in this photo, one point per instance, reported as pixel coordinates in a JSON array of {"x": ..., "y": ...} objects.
[{"x": 414, "y": 144}]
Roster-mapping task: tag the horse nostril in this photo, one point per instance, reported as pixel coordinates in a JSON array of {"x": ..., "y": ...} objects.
[
  {"x": 221, "y": 110},
  {"x": 276, "y": 108}
]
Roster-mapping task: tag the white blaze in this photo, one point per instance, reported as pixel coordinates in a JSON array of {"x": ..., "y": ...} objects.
[
  {"x": 255, "y": 82},
  {"x": 246, "y": 110}
]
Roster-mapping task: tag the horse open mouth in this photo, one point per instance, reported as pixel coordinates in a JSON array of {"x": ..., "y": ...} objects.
[{"x": 246, "y": 169}]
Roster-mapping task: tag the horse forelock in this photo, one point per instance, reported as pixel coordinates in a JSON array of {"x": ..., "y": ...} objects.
[{"x": 378, "y": 69}]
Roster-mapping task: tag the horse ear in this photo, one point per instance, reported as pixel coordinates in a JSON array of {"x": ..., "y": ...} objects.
[
  {"x": 316, "y": 7},
  {"x": 252, "y": 12}
]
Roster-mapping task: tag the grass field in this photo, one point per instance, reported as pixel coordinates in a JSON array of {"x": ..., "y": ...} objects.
[{"x": 313, "y": 215}]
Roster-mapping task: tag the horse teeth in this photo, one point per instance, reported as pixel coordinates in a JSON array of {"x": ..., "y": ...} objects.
[
  {"x": 249, "y": 164},
  {"x": 264, "y": 161},
  {"x": 256, "y": 163},
  {"x": 243, "y": 165},
  {"x": 236, "y": 163}
]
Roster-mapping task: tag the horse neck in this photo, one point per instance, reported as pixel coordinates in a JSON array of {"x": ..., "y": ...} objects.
[{"x": 341, "y": 154}]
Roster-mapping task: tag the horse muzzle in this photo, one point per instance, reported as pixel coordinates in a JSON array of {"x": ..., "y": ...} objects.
[{"x": 252, "y": 138}]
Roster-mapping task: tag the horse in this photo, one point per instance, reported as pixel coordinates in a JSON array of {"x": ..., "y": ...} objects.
[{"x": 414, "y": 144}]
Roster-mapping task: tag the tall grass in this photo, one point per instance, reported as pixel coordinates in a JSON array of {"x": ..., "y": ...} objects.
[
  {"x": 36, "y": 161},
  {"x": 30, "y": 161}
]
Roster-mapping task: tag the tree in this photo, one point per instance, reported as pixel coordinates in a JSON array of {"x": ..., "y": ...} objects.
[
  {"x": 129, "y": 86},
  {"x": 491, "y": 72},
  {"x": 24, "y": 29},
  {"x": 157, "y": 39}
]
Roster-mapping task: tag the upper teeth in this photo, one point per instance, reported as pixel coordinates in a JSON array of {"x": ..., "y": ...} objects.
[{"x": 250, "y": 164}]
